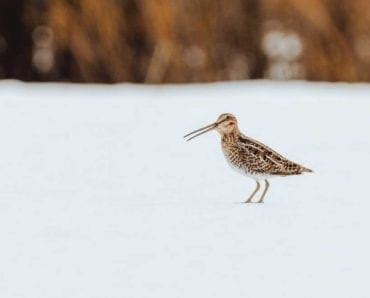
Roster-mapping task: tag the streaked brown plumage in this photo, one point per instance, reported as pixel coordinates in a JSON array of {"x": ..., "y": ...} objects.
[{"x": 248, "y": 156}]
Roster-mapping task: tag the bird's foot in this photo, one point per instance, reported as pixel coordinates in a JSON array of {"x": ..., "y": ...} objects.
[{"x": 251, "y": 202}]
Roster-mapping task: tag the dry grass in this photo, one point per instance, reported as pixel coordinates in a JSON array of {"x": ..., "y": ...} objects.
[{"x": 159, "y": 41}]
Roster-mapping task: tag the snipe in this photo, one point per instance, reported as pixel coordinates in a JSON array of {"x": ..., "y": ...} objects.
[{"x": 248, "y": 156}]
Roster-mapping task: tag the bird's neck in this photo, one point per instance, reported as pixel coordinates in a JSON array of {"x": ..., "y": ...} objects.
[{"x": 231, "y": 137}]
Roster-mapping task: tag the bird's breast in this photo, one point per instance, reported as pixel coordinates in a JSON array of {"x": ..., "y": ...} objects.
[
  {"x": 233, "y": 158},
  {"x": 237, "y": 162}
]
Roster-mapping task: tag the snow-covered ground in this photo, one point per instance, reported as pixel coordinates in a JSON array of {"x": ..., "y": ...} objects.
[{"x": 100, "y": 197}]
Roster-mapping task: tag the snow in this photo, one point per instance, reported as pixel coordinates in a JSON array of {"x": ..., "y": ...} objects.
[{"x": 101, "y": 197}]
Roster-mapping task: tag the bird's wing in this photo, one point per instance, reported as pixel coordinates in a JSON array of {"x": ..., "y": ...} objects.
[{"x": 261, "y": 158}]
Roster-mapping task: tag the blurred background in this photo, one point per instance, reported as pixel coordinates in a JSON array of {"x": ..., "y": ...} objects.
[{"x": 178, "y": 41}]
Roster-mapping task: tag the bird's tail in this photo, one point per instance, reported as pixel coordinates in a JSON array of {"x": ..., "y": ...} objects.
[{"x": 306, "y": 170}]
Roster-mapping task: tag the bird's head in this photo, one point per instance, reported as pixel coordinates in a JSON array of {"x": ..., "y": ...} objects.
[{"x": 225, "y": 124}]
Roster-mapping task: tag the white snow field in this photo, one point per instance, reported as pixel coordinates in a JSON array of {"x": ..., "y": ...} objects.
[{"x": 100, "y": 197}]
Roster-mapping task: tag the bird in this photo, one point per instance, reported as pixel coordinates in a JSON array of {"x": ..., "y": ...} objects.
[{"x": 249, "y": 156}]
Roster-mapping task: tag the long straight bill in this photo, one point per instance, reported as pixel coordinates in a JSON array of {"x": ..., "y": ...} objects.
[{"x": 200, "y": 131}]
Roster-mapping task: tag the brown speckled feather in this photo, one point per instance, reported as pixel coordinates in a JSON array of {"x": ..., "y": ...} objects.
[{"x": 256, "y": 158}]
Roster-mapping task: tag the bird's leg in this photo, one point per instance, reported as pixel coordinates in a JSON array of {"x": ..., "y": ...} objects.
[
  {"x": 249, "y": 200},
  {"x": 264, "y": 192}
]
